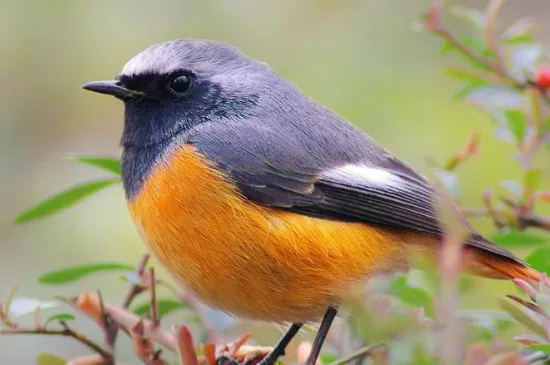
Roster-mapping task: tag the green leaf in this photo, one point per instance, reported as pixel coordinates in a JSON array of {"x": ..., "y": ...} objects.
[
  {"x": 519, "y": 39},
  {"x": 21, "y": 306},
  {"x": 413, "y": 296},
  {"x": 545, "y": 127},
  {"x": 165, "y": 306},
  {"x": 544, "y": 347},
  {"x": 446, "y": 48},
  {"x": 328, "y": 358},
  {"x": 478, "y": 46},
  {"x": 109, "y": 164},
  {"x": 63, "y": 200},
  {"x": 45, "y": 358},
  {"x": 516, "y": 123},
  {"x": 520, "y": 31},
  {"x": 474, "y": 43},
  {"x": 465, "y": 75},
  {"x": 513, "y": 238},
  {"x": 60, "y": 317},
  {"x": 464, "y": 92},
  {"x": 521, "y": 315},
  {"x": 77, "y": 272},
  {"x": 539, "y": 259},
  {"x": 532, "y": 179},
  {"x": 422, "y": 356}
]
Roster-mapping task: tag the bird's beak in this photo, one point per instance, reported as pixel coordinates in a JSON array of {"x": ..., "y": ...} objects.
[{"x": 111, "y": 87}]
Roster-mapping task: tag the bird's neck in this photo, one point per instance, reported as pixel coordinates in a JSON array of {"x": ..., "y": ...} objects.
[{"x": 137, "y": 162}]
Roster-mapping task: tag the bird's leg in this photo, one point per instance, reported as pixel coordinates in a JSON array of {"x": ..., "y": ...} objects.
[
  {"x": 321, "y": 335},
  {"x": 279, "y": 349}
]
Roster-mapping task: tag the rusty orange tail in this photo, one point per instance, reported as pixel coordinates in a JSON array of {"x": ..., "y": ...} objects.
[{"x": 491, "y": 265}]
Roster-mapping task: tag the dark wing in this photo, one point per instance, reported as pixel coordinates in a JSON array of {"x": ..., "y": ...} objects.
[
  {"x": 375, "y": 195},
  {"x": 301, "y": 176}
]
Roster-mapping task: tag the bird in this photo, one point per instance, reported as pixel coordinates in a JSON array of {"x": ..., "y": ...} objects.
[{"x": 262, "y": 202}]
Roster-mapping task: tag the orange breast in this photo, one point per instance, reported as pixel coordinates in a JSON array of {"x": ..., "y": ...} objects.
[{"x": 250, "y": 260}]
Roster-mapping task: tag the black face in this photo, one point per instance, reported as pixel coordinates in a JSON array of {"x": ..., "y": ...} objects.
[
  {"x": 166, "y": 104},
  {"x": 172, "y": 87}
]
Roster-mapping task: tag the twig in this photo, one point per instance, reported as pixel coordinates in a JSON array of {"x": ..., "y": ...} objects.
[
  {"x": 136, "y": 289},
  {"x": 143, "y": 346},
  {"x": 133, "y": 291},
  {"x": 537, "y": 222},
  {"x": 155, "y": 320},
  {"x": 127, "y": 319},
  {"x": 365, "y": 351},
  {"x": 109, "y": 329},
  {"x": 6, "y": 303},
  {"x": 497, "y": 67},
  {"x": 66, "y": 331},
  {"x": 491, "y": 14}
]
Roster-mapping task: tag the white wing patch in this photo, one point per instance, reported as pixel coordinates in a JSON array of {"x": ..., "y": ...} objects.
[{"x": 362, "y": 174}]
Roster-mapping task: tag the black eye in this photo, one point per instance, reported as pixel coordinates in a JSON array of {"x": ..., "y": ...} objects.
[{"x": 179, "y": 84}]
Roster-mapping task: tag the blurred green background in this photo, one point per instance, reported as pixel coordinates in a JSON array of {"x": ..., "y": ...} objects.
[{"x": 360, "y": 58}]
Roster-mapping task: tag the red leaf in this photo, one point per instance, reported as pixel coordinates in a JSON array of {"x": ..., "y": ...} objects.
[{"x": 186, "y": 349}]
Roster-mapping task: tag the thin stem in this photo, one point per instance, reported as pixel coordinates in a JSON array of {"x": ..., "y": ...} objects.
[
  {"x": 128, "y": 320},
  {"x": 153, "y": 306},
  {"x": 109, "y": 328},
  {"x": 133, "y": 291},
  {"x": 136, "y": 289},
  {"x": 497, "y": 67},
  {"x": 491, "y": 16},
  {"x": 365, "y": 351},
  {"x": 66, "y": 331}
]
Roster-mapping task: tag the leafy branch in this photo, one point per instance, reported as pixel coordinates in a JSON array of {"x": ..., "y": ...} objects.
[{"x": 523, "y": 118}]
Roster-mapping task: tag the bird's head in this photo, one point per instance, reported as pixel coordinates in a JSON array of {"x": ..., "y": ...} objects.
[{"x": 174, "y": 86}]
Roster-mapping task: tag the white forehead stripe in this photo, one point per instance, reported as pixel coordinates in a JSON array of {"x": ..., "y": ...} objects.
[
  {"x": 364, "y": 174},
  {"x": 170, "y": 56},
  {"x": 158, "y": 58}
]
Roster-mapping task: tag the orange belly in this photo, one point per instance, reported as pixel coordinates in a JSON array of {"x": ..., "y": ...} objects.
[{"x": 250, "y": 260}]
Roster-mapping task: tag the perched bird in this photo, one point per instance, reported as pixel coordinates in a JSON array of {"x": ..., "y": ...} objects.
[{"x": 262, "y": 202}]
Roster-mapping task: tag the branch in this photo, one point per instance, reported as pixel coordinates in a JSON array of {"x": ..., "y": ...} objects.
[
  {"x": 133, "y": 291},
  {"x": 365, "y": 351},
  {"x": 66, "y": 331},
  {"x": 128, "y": 320},
  {"x": 433, "y": 25},
  {"x": 153, "y": 307},
  {"x": 536, "y": 221},
  {"x": 136, "y": 289}
]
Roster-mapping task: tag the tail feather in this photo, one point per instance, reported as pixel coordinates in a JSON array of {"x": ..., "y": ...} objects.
[{"x": 491, "y": 265}]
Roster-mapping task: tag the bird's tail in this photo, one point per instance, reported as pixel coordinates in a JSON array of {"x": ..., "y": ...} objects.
[{"x": 493, "y": 265}]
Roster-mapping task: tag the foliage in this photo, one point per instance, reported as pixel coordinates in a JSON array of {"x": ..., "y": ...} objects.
[{"x": 410, "y": 319}]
